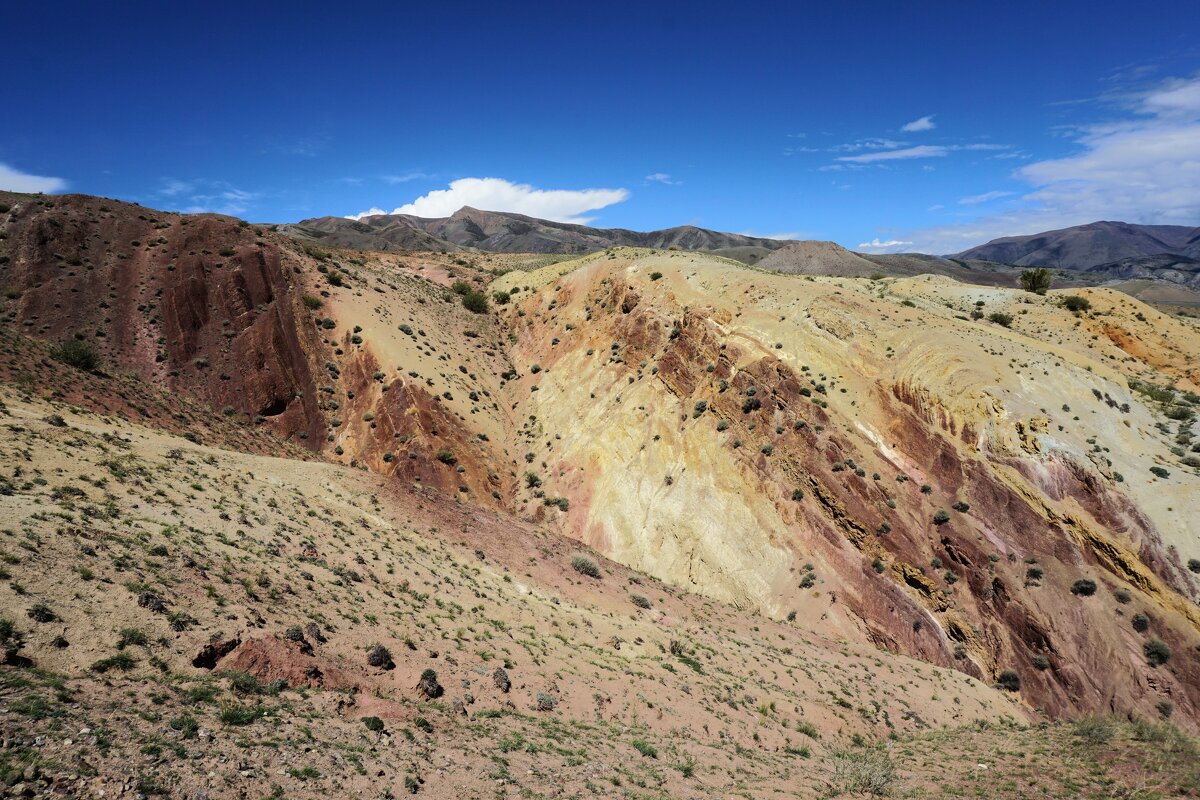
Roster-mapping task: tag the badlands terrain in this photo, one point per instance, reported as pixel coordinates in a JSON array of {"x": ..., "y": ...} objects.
[{"x": 281, "y": 519}]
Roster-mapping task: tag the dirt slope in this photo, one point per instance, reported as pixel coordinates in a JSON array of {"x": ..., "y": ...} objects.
[
  {"x": 726, "y": 430},
  {"x": 865, "y": 505}
]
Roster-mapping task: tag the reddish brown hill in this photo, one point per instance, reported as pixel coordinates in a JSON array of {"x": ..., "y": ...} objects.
[{"x": 201, "y": 304}]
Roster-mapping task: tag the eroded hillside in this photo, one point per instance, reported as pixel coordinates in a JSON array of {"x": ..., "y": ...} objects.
[
  {"x": 868, "y": 506},
  {"x": 866, "y": 455}
]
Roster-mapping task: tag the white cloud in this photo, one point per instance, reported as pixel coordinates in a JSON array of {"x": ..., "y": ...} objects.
[
  {"x": 662, "y": 177},
  {"x": 918, "y": 125},
  {"x": 783, "y": 236},
  {"x": 920, "y": 151},
  {"x": 13, "y": 181},
  {"x": 977, "y": 199},
  {"x": 877, "y": 246},
  {"x": 1144, "y": 168},
  {"x": 497, "y": 194},
  {"x": 866, "y": 144},
  {"x": 373, "y": 211},
  {"x": 172, "y": 188},
  {"x": 405, "y": 178}
]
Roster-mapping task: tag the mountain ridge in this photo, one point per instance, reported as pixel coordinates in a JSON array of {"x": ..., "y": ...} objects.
[
  {"x": 506, "y": 232},
  {"x": 1083, "y": 247}
]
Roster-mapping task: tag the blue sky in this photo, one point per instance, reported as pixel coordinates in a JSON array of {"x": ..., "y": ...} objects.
[{"x": 933, "y": 126}]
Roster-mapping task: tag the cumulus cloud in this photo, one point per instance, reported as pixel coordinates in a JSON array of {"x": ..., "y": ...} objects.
[
  {"x": 13, "y": 180},
  {"x": 920, "y": 151},
  {"x": 986, "y": 197},
  {"x": 1141, "y": 168},
  {"x": 918, "y": 125},
  {"x": 877, "y": 246},
  {"x": 497, "y": 194}
]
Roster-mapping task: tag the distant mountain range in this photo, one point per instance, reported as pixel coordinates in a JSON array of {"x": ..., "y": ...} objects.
[
  {"x": 1095, "y": 244},
  {"x": 1088, "y": 254},
  {"x": 1108, "y": 250},
  {"x": 499, "y": 232}
]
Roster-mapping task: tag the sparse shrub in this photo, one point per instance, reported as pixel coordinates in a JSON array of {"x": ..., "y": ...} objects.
[
  {"x": 1075, "y": 304},
  {"x": 312, "y": 303},
  {"x": 1040, "y": 661},
  {"x": 11, "y": 642},
  {"x": 941, "y": 517},
  {"x": 961, "y": 507},
  {"x": 1159, "y": 472},
  {"x": 645, "y": 748},
  {"x": 78, "y": 354},
  {"x": 1157, "y": 652},
  {"x": 585, "y": 566},
  {"x": 40, "y": 612},
  {"x": 655, "y": 276},
  {"x": 475, "y": 302},
  {"x": 1194, "y": 565},
  {"x": 1140, "y": 622},
  {"x": 1095, "y": 729},
  {"x": 501, "y": 680},
  {"x": 132, "y": 636},
  {"x": 187, "y": 725},
  {"x": 1000, "y": 318},
  {"x": 639, "y": 601},
  {"x": 868, "y": 771},
  {"x": 428, "y": 685},
  {"x": 446, "y": 456},
  {"x": 1037, "y": 280},
  {"x": 121, "y": 661},
  {"x": 1084, "y": 587},
  {"x": 380, "y": 657},
  {"x": 1009, "y": 680},
  {"x": 241, "y": 713},
  {"x": 374, "y": 724}
]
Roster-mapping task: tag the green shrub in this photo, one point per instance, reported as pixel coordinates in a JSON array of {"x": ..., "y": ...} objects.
[
  {"x": 645, "y": 748},
  {"x": 241, "y": 714},
  {"x": 1085, "y": 587},
  {"x": 1037, "y": 280},
  {"x": 121, "y": 661},
  {"x": 941, "y": 517},
  {"x": 1009, "y": 680},
  {"x": 475, "y": 302},
  {"x": 639, "y": 601},
  {"x": 1000, "y": 318},
  {"x": 1074, "y": 303},
  {"x": 1095, "y": 729},
  {"x": 374, "y": 724},
  {"x": 585, "y": 566},
  {"x": 1157, "y": 652},
  {"x": 78, "y": 354},
  {"x": 312, "y": 303},
  {"x": 868, "y": 771},
  {"x": 655, "y": 276}
]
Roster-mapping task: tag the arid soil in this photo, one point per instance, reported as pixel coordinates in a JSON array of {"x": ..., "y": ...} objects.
[{"x": 649, "y": 524}]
